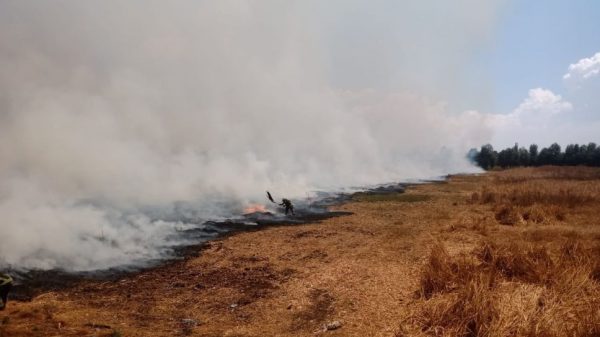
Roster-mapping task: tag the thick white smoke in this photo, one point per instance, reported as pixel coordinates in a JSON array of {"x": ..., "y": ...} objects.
[{"x": 112, "y": 112}]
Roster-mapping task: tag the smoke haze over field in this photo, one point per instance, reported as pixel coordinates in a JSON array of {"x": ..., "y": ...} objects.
[{"x": 112, "y": 112}]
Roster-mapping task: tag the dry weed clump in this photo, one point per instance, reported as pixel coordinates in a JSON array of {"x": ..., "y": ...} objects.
[
  {"x": 517, "y": 261},
  {"x": 528, "y": 194},
  {"x": 540, "y": 199},
  {"x": 536, "y": 214},
  {"x": 477, "y": 224},
  {"x": 469, "y": 311},
  {"x": 522, "y": 174},
  {"x": 486, "y": 196},
  {"x": 513, "y": 289},
  {"x": 442, "y": 273},
  {"x": 507, "y": 215}
]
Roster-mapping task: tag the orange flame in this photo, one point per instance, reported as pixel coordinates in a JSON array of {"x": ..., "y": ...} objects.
[{"x": 255, "y": 208}]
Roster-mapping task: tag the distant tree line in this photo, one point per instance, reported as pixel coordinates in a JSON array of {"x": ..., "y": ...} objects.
[{"x": 574, "y": 154}]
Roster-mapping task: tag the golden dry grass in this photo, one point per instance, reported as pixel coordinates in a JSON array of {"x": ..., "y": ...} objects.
[
  {"x": 509, "y": 253},
  {"x": 548, "y": 195},
  {"x": 514, "y": 289},
  {"x": 538, "y": 280},
  {"x": 391, "y": 197}
]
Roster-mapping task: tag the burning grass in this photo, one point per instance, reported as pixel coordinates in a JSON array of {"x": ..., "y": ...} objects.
[{"x": 255, "y": 208}]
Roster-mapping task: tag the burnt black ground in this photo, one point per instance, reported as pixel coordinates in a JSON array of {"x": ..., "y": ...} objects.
[{"x": 29, "y": 284}]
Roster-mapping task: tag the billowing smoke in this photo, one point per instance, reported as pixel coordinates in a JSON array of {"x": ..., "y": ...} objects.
[{"x": 113, "y": 112}]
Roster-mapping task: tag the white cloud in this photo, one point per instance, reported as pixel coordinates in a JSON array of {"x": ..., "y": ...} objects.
[
  {"x": 532, "y": 121},
  {"x": 541, "y": 117},
  {"x": 544, "y": 117},
  {"x": 582, "y": 82},
  {"x": 584, "y": 69},
  {"x": 541, "y": 103}
]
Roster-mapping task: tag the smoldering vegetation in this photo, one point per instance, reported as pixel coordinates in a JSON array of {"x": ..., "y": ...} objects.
[{"x": 194, "y": 238}]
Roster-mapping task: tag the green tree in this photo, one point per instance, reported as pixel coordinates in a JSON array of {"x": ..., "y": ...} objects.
[
  {"x": 486, "y": 158},
  {"x": 571, "y": 156},
  {"x": 524, "y": 159},
  {"x": 555, "y": 154},
  {"x": 514, "y": 156},
  {"x": 533, "y": 154},
  {"x": 589, "y": 155},
  {"x": 574, "y": 154},
  {"x": 504, "y": 158}
]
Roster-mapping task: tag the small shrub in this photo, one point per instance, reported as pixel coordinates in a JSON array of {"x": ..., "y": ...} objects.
[
  {"x": 442, "y": 273},
  {"x": 437, "y": 274},
  {"x": 468, "y": 312},
  {"x": 529, "y": 264},
  {"x": 507, "y": 215},
  {"x": 534, "y": 214},
  {"x": 474, "y": 198},
  {"x": 487, "y": 196}
]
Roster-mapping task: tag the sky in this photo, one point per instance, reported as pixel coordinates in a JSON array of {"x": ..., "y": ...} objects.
[
  {"x": 118, "y": 118},
  {"x": 492, "y": 58},
  {"x": 532, "y": 47},
  {"x": 534, "y": 43}
]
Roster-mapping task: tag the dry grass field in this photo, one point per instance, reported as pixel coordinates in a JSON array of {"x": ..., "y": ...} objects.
[
  {"x": 536, "y": 269},
  {"x": 508, "y": 253}
]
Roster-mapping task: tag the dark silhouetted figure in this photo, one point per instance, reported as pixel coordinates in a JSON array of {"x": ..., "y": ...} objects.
[
  {"x": 288, "y": 206},
  {"x": 5, "y": 285}
]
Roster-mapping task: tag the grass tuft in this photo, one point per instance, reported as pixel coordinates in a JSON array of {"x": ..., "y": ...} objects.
[{"x": 510, "y": 289}]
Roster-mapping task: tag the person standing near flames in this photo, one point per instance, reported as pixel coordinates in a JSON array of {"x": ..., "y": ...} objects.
[
  {"x": 5, "y": 285},
  {"x": 288, "y": 206},
  {"x": 284, "y": 202}
]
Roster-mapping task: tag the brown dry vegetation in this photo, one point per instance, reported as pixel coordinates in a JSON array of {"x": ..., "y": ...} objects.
[
  {"x": 508, "y": 253},
  {"x": 511, "y": 289},
  {"x": 549, "y": 194},
  {"x": 538, "y": 280}
]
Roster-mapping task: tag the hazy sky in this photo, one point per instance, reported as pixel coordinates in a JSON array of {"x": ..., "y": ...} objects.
[{"x": 489, "y": 68}]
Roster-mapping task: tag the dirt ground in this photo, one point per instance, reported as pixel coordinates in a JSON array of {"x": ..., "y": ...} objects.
[{"x": 364, "y": 270}]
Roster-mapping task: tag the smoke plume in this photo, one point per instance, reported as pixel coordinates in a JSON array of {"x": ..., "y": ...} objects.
[{"x": 117, "y": 116}]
